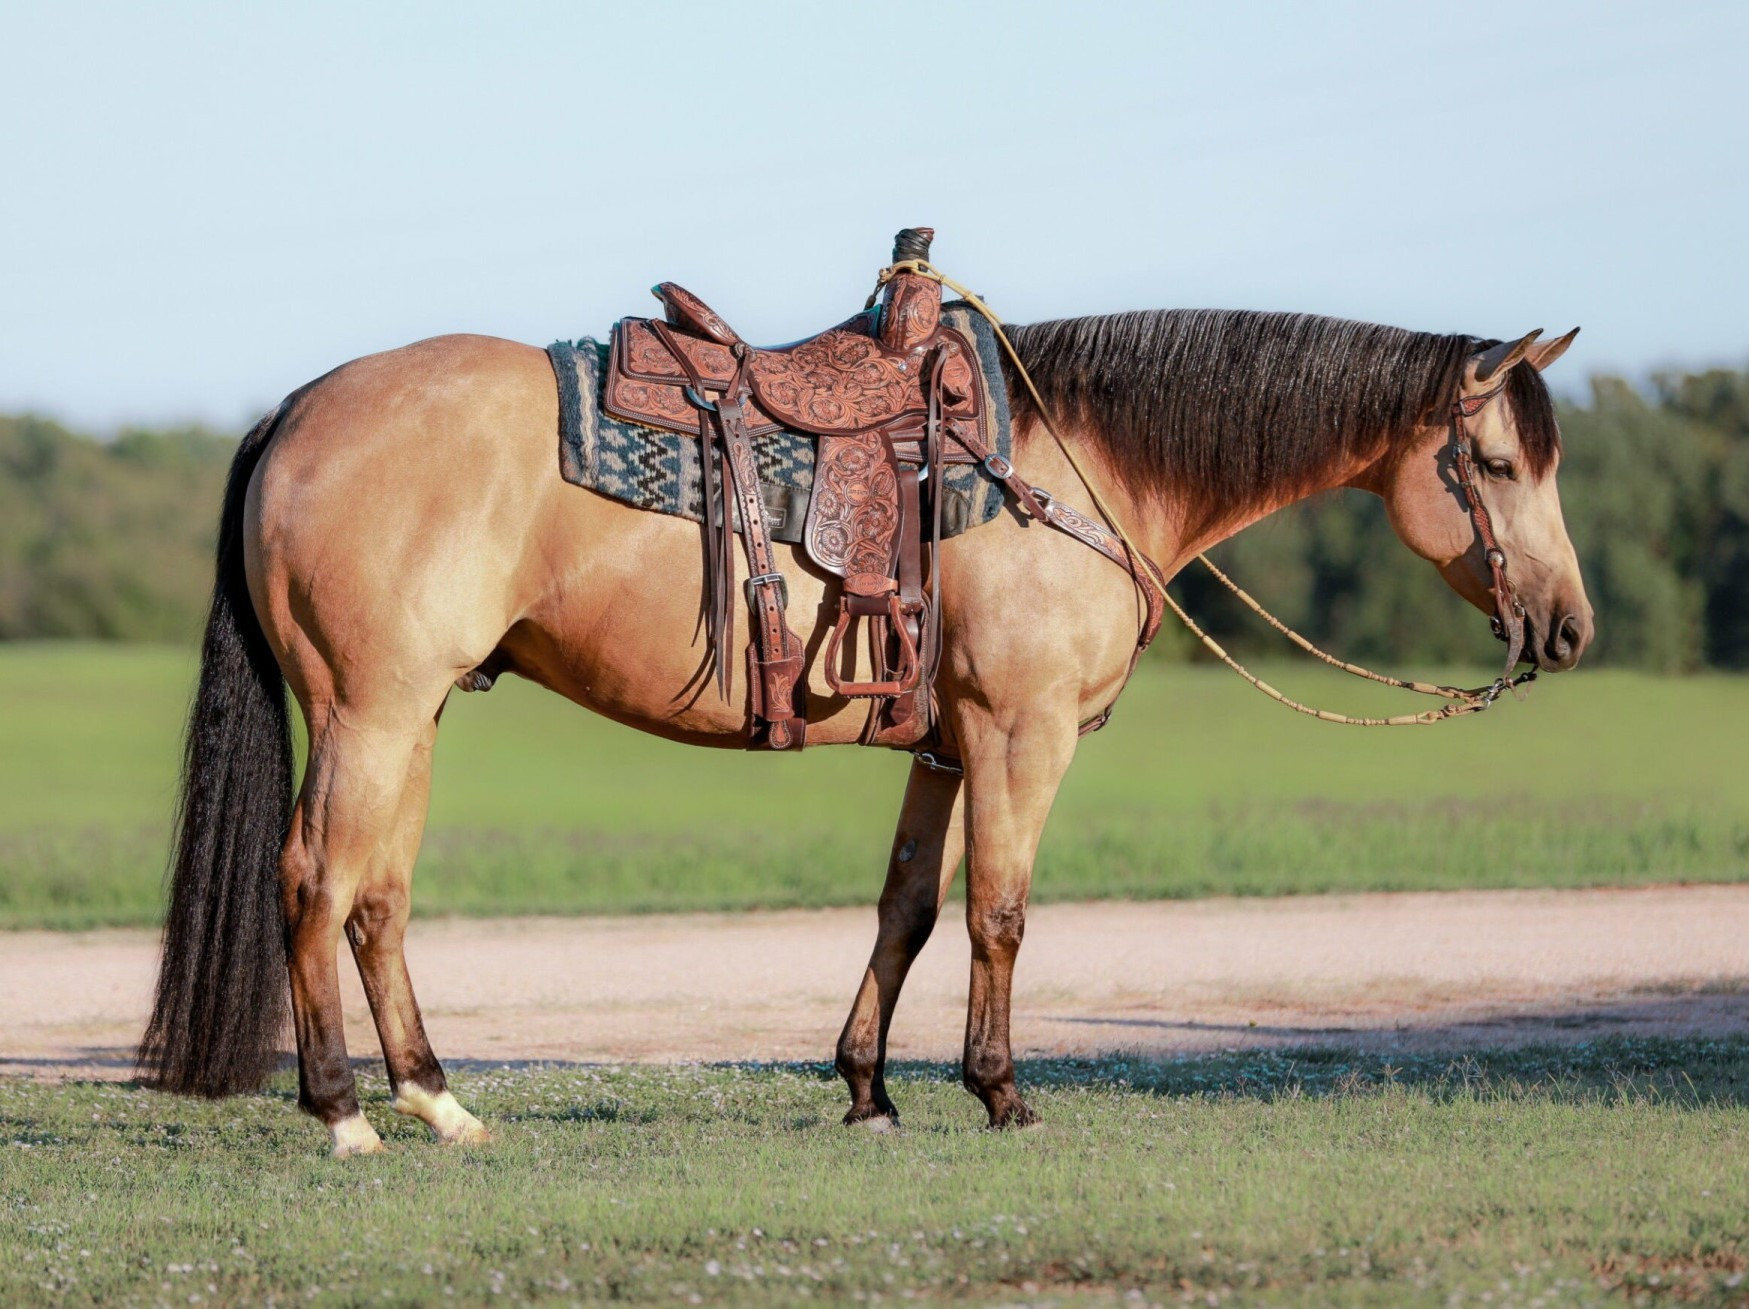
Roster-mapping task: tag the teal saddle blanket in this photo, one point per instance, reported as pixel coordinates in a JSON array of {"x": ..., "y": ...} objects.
[{"x": 660, "y": 471}]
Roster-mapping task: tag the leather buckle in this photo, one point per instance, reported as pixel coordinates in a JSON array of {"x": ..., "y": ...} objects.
[
  {"x": 699, "y": 402},
  {"x": 767, "y": 579},
  {"x": 998, "y": 467}
]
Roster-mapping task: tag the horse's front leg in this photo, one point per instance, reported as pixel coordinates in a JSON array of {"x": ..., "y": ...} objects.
[
  {"x": 926, "y": 853},
  {"x": 1011, "y": 780}
]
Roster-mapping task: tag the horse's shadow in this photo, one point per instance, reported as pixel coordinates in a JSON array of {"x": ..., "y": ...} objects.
[{"x": 1685, "y": 1049}]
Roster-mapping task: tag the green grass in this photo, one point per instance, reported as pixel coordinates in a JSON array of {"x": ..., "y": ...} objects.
[
  {"x": 1199, "y": 787},
  {"x": 1535, "y": 1177}
]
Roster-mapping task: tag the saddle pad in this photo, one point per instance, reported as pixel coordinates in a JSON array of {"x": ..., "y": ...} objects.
[{"x": 658, "y": 470}]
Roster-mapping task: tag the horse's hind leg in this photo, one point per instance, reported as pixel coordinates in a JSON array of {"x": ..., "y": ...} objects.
[
  {"x": 377, "y": 929},
  {"x": 926, "y": 852},
  {"x": 343, "y": 821},
  {"x": 347, "y": 868}
]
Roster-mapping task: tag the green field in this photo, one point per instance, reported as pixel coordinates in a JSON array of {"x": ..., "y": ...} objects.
[
  {"x": 1575, "y": 1175},
  {"x": 1199, "y": 787},
  {"x": 1540, "y": 1177}
]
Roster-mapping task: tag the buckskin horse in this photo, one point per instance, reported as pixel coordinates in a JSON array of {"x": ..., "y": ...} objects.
[{"x": 400, "y": 525}]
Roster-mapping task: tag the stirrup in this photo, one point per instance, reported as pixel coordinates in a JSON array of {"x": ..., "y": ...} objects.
[{"x": 863, "y": 592}]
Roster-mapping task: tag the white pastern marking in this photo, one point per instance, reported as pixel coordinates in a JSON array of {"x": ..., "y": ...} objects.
[
  {"x": 355, "y": 1135},
  {"x": 448, "y": 1121}
]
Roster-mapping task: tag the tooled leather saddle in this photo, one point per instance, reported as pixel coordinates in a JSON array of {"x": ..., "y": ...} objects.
[{"x": 891, "y": 395}]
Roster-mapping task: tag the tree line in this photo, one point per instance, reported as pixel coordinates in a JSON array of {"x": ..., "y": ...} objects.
[{"x": 113, "y": 540}]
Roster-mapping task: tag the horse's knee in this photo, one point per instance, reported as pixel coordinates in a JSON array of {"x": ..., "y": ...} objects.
[
  {"x": 908, "y": 918},
  {"x": 997, "y": 928},
  {"x": 917, "y": 931}
]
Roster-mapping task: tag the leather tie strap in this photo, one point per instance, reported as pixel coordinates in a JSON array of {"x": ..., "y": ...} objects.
[
  {"x": 719, "y": 617},
  {"x": 775, "y": 680},
  {"x": 774, "y": 656}
]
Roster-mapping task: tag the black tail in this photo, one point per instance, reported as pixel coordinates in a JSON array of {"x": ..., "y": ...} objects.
[{"x": 222, "y": 992}]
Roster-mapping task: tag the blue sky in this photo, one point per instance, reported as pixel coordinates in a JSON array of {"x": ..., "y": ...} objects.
[{"x": 203, "y": 206}]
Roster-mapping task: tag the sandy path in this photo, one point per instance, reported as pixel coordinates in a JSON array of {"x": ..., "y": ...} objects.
[{"x": 1384, "y": 971}]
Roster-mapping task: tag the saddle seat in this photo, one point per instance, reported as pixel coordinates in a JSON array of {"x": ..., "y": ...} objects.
[{"x": 866, "y": 373}]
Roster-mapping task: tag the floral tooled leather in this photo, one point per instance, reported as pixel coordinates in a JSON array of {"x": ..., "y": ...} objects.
[
  {"x": 835, "y": 384},
  {"x": 648, "y": 356},
  {"x": 853, "y": 517},
  {"x": 840, "y": 382},
  {"x": 688, "y": 312},
  {"x": 859, "y": 392},
  {"x": 647, "y": 384},
  {"x": 912, "y": 313}
]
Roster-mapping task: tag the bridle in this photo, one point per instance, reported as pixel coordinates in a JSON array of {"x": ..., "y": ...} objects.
[
  {"x": 1508, "y": 620},
  {"x": 1508, "y": 617}
]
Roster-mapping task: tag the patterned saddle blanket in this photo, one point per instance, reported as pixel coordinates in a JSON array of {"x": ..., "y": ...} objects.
[{"x": 660, "y": 470}]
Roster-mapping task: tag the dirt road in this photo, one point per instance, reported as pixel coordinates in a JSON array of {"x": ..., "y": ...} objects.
[{"x": 1382, "y": 971}]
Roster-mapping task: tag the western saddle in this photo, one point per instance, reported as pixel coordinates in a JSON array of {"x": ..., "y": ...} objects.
[{"x": 891, "y": 395}]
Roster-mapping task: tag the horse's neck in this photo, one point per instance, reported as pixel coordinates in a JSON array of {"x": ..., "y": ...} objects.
[{"x": 1173, "y": 528}]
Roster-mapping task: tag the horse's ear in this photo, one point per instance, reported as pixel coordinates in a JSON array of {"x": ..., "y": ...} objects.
[
  {"x": 1545, "y": 353},
  {"x": 1498, "y": 358}
]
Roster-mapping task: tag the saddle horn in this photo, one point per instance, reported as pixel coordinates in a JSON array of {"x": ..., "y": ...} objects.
[{"x": 912, "y": 243}]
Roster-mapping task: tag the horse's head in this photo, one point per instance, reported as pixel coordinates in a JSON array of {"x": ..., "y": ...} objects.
[{"x": 1515, "y": 452}]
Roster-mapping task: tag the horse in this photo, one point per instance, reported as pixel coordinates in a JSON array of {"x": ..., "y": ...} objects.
[{"x": 399, "y": 527}]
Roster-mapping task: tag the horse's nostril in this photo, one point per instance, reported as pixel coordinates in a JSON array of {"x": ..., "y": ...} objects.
[{"x": 1564, "y": 640}]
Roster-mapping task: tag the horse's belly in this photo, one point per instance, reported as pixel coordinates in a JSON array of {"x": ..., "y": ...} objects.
[{"x": 620, "y": 631}]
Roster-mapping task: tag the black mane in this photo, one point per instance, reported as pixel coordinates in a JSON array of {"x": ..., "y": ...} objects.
[{"x": 1231, "y": 407}]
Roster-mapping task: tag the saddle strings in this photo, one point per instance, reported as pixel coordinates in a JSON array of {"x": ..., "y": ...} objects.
[{"x": 1465, "y": 701}]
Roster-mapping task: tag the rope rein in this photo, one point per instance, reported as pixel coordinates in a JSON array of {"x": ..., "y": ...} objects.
[{"x": 1464, "y": 701}]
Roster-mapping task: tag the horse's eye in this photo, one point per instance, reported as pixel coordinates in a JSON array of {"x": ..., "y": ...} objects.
[{"x": 1501, "y": 468}]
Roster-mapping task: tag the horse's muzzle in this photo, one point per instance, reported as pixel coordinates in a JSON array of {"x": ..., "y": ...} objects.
[{"x": 1562, "y": 641}]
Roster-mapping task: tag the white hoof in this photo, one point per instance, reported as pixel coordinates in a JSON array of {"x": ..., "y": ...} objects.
[
  {"x": 448, "y": 1121},
  {"x": 355, "y": 1135}
]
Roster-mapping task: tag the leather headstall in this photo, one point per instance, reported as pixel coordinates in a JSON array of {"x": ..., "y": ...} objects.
[{"x": 1508, "y": 619}]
